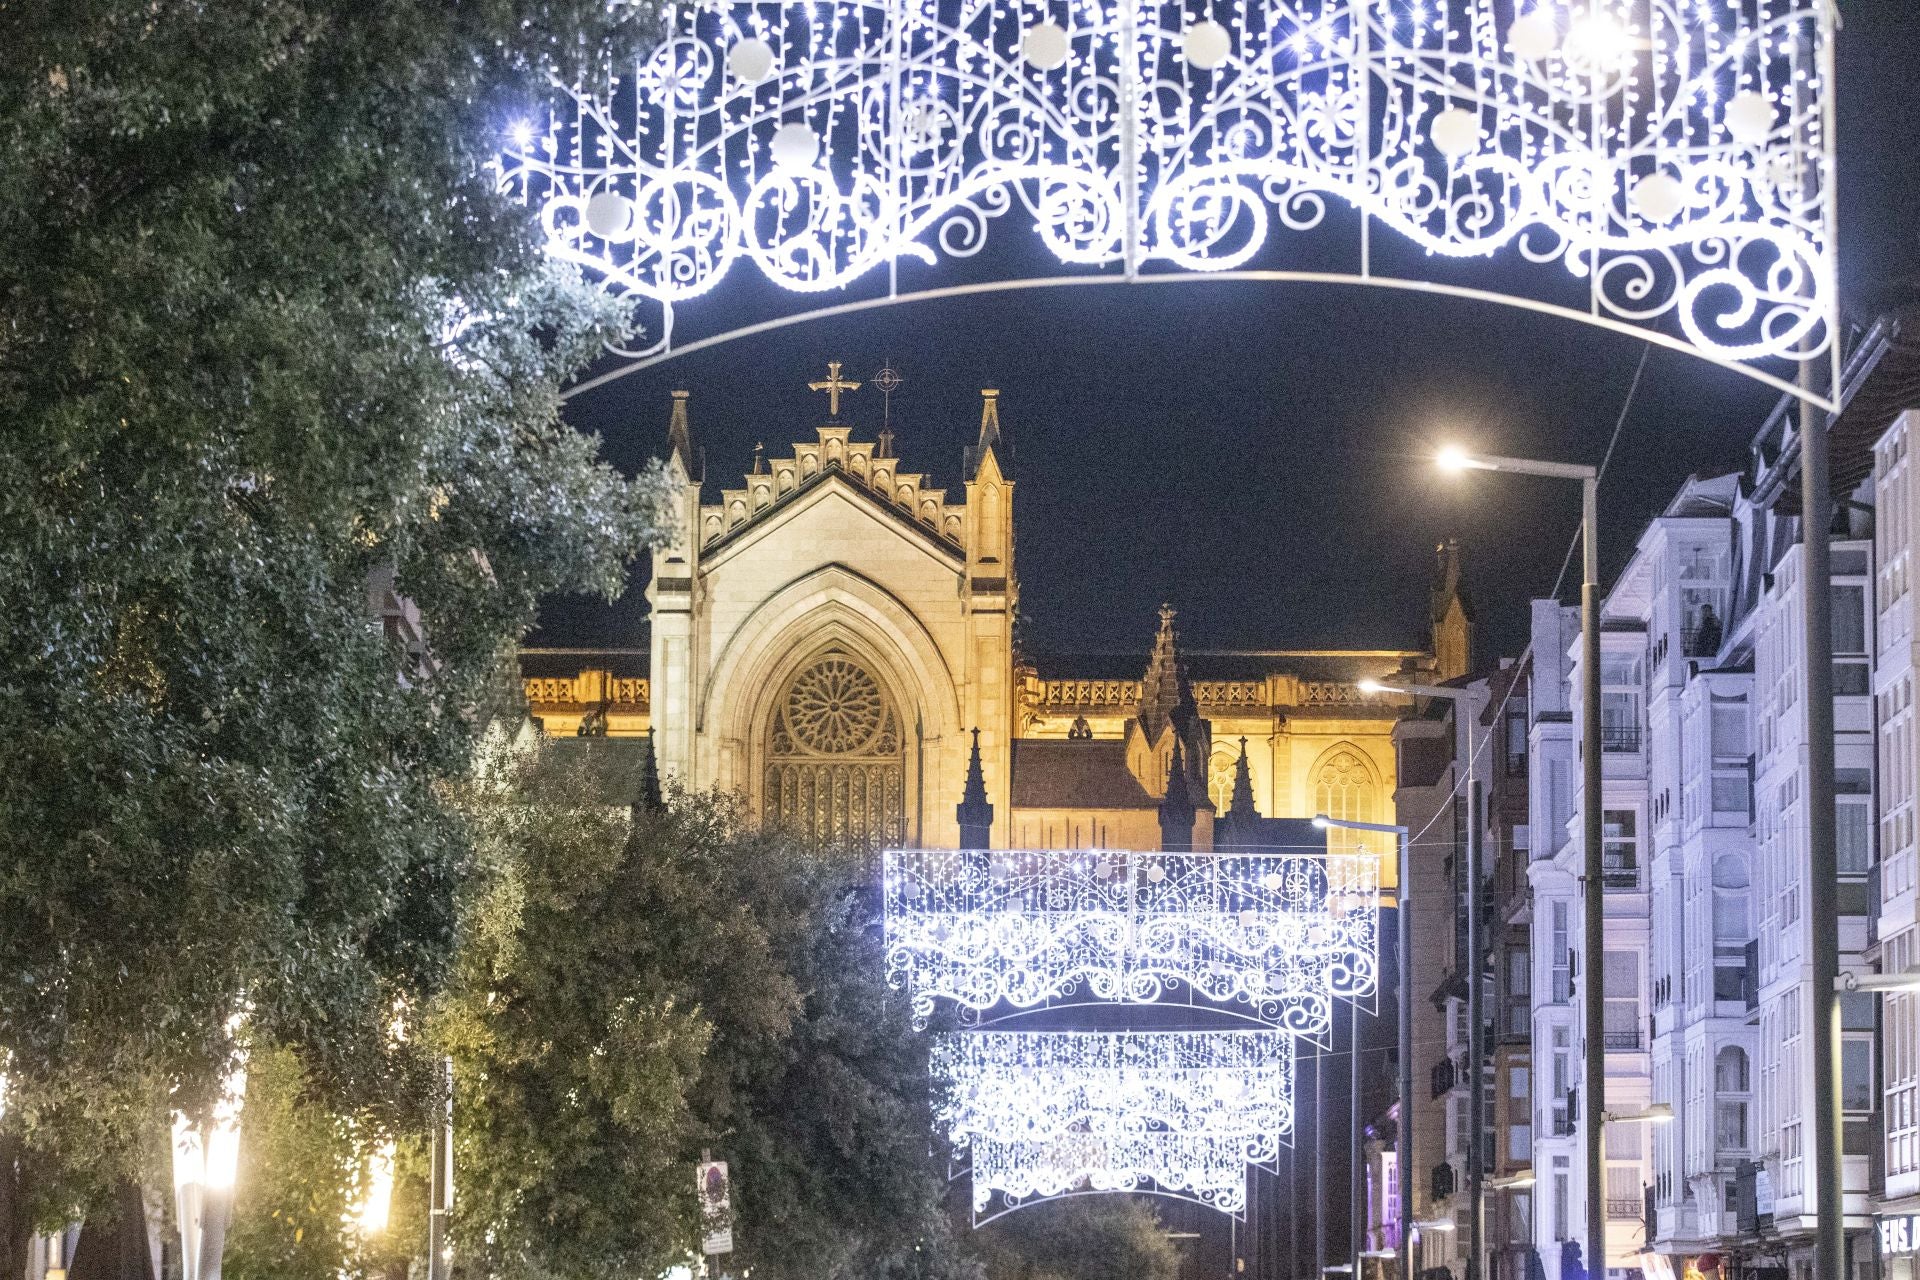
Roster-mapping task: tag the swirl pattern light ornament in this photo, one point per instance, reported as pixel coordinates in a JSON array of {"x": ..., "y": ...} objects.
[
  {"x": 833, "y": 144},
  {"x": 1048, "y": 1088},
  {"x": 1283, "y": 933},
  {"x": 1208, "y": 1169}
]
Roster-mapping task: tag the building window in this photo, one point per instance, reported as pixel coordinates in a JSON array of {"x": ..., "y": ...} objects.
[
  {"x": 1619, "y": 703},
  {"x": 836, "y": 762},
  {"x": 1623, "y": 999},
  {"x": 1853, "y": 815},
  {"x": 1733, "y": 1092},
  {"x": 1516, "y": 738},
  {"x": 1619, "y": 849},
  {"x": 1343, "y": 789},
  {"x": 1852, "y": 676},
  {"x": 1562, "y": 955}
]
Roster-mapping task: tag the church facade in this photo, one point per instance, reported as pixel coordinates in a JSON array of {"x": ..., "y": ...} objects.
[{"x": 832, "y": 637}]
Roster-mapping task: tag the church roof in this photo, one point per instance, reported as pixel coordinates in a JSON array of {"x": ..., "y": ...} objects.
[
  {"x": 1053, "y": 773},
  {"x": 1228, "y": 664}
]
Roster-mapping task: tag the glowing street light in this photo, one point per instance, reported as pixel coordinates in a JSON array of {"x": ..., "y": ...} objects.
[
  {"x": 1658, "y": 1113},
  {"x": 1593, "y": 903}
]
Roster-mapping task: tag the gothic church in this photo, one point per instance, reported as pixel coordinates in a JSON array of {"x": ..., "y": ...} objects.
[{"x": 832, "y": 638}]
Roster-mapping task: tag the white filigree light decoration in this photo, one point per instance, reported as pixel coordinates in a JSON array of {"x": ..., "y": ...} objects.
[
  {"x": 1212, "y": 1170},
  {"x": 1672, "y": 157},
  {"x": 1285, "y": 933},
  {"x": 1037, "y": 1086}
]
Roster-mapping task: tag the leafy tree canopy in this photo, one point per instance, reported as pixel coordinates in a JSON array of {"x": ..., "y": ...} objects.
[
  {"x": 636, "y": 989},
  {"x": 1103, "y": 1237},
  {"x": 269, "y": 338}
]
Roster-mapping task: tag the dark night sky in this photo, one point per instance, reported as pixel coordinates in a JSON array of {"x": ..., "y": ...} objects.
[{"x": 1258, "y": 454}]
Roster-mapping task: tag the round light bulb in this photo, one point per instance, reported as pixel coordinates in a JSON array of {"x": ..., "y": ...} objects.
[
  {"x": 610, "y": 215},
  {"x": 1659, "y": 197},
  {"x": 751, "y": 60},
  {"x": 794, "y": 146},
  {"x": 1206, "y": 44},
  {"x": 1533, "y": 35},
  {"x": 1455, "y": 132},
  {"x": 1045, "y": 45},
  {"x": 1750, "y": 117}
]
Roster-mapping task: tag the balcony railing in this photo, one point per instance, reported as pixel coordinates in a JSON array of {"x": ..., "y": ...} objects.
[
  {"x": 1619, "y": 871},
  {"x": 1619, "y": 738},
  {"x": 1629, "y": 1210},
  {"x": 1623, "y": 1038}
]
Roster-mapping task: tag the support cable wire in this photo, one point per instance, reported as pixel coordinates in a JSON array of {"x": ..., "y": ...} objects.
[{"x": 1418, "y": 838}]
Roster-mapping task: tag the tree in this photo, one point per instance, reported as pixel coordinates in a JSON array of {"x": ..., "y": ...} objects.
[
  {"x": 637, "y": 987},
  {"x": 270, "y": 336},
  {"x": 1101, "y": 1237}
]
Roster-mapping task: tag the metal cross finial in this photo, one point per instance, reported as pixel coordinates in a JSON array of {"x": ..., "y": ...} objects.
[{"x": 833, "y": 384}]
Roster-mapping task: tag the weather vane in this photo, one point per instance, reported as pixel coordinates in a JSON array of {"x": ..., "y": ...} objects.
[{"x": 889, "y": 381}]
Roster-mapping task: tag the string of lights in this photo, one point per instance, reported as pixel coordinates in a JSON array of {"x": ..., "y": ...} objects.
[
  {"x": 1670, "y": 156},
  {"x": 1284, "y": 933},
  {"x": 1045, "y": 1086}
]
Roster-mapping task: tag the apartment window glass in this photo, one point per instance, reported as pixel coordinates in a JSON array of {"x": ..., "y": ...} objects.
[
  {"x": 1620, "y": 703},
  {"x": 1562, "y": 957},
  {"x": 1856, "y": 1073},
  {"x": 1559, "y": 1197},
  {"x": 1619, "y": 848},
  {"x": 1516, "y": 738},
  {"x": 1732, "y": 1087},
  {"x": 1853, "y": 814},
  {"x": 1850, "y": 673},
  {"x": 1623, "y": 999}
]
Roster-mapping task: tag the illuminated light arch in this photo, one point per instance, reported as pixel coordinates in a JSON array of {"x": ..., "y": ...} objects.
[
  {"x": 1659, "y": 167},
  {"x": 1283, "y": 934}
]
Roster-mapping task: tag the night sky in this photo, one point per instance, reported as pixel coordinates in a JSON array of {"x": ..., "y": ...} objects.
[{"x": 1259, "y": 454}]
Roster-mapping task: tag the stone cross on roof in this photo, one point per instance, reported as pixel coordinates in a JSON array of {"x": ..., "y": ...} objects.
[{"x": 833, "y": 384}]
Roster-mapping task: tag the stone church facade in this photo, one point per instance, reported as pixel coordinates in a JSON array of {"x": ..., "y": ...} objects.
[{"x": 828, "y": 634}]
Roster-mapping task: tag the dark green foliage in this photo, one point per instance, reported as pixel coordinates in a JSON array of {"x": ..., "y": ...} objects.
[
  {"x": 267, "y": 334},
  {"x": 636, "y": 989},
  {"x": 1100, "y": 1237}
]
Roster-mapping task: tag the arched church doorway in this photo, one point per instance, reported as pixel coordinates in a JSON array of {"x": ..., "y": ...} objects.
[{"x": 836, "y": 757}]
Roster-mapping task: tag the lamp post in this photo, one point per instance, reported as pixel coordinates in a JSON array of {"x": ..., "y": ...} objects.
[
  {"x": 1467, "y": 704},
  {"x": 1403, "y": 1131},
  {"x": 1593, "y": 899}
]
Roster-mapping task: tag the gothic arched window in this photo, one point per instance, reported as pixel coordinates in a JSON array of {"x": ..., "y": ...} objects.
[
  {"x": 1343, "y": 788},
  {"x": 836, "y": 761}
]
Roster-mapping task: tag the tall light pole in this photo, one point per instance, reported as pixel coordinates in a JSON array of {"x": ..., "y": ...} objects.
[
  {"x": 1467, "y": 705},
  {"x": 1593, "y": 881},
  {"x": 1403, "y": 1131}
]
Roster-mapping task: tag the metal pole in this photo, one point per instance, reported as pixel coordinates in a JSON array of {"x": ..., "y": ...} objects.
[
  {"x": 1593, "y": 889},
  {"x": 1476, "y": 1048},
  {"x": 1823, "y": 907},
  {"x": 1403, "y": 1127},
  {"x": 440, "y": 1178},
  {"x": 1320, "y": 1159},
  {"x": 1356, "y": 1211}
]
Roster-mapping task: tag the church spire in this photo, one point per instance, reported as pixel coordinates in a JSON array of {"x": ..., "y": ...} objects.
[
  {"x": 1166, "y": 695},
  {"x": 974, "y": 812},
  {"x": 1177, "y": 810},
  {"x": 1241, "y": 809},
  {"x": 679, "y": 434},
  {"x": 648, "y": 799},
  {"x": 989, "y": 441}
]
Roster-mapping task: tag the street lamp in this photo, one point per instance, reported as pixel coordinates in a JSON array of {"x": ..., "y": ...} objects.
[
  {"x": 1467, "y": 704},
  {"x": 1593, "y": 900},
  {"x": 1403, "y": 1132},
  {"x": 1881, "y": 983},
  {"x": 1512, "y": 1182},
  {"x": 1658, "y": 1113}
]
